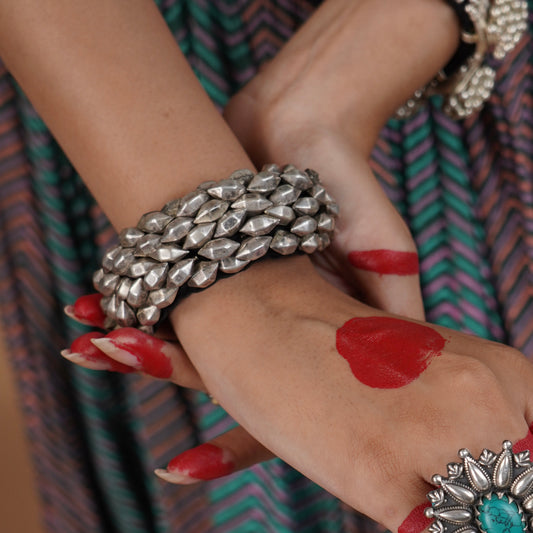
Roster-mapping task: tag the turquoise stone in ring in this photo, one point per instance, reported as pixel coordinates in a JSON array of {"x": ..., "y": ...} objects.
[{"x": 500, "y": 515}]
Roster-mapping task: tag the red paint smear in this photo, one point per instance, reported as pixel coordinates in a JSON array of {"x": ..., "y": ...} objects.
[
  {"x": 203, "y": 462},
  {"x": 148, "y": 351},
  {"x": 83, "y": 346},
  {"x": 387, "y": 353},
  {"x": 88, "y": 308},
  {"x": 417, "y": 521},
  {"x": 385, "y": 262}
]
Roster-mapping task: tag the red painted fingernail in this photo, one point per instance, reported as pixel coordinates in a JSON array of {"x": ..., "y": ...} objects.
[
  {"x": 87, "y": 310},
  {"x": 83, "y": 348},
  {"x": 417, "y": 521},
  {"x": 204, "y": 462},
  {"x": 137, "y": 350},
  {"x": 385, "y": 262}
]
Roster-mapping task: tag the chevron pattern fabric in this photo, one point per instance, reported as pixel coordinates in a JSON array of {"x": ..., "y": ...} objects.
[{"x": 465, "y": 190}]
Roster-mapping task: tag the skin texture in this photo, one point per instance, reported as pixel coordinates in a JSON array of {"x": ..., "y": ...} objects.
[
  {"x": 385, "y": 262},
  {"x": 387, "y": 353}
]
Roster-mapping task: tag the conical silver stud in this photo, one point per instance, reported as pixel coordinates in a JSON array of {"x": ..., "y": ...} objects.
[
  {"x": 264, "y": 182},
  {"x": 243, "y": 175},
  {"x": 218, "y": 249},
  {"x": 123, "y": 260},
  {"x": 191, "y": 203},
  {"x": 306, "y": 206},
  {"x": 154, "y": 222},
  {"x": 232, "y": 265},
  {"x": 147, "y": 245},
  {"x": 155, "y": 279},
  {"x": 168, "y": 254},
  {"x": 172, "y": 207},
  {"x": 137, "y": 295},
  {"x": 108, "y": 284},
  {"x": 98, "y": 276},
  {"x": 125, "y": 315},
  {"x": 295, "y": 177},
  {"x": 326, "y": 222},
  {"x": 309, "y": 243},
  {"x": 253, "y": 248},
  {"x": 123, "y": 288},
  {"x": 206, "y": 185},
  {"x": 177, "y": 229},
  {"x": 211, "y": 211},
  {"x": 325, "y": 241},
  {"x": 180, "y": 272},
  {"x": 141, "y": 267},
  {"x": 252, "y": 203},
  {"x": 148, "y": 315},
  {"x": 284, "y": 243},
  {"x": 313, "y": 175},
  {"x": 304, "y": 225},
  {"x": 230, "y": 223},
  {"x": 285, "y": 194},
  {"x": 319, "y": 193},
  {"x": 333, "y": 209},
  {"x": 109, "y": 258},
  {"x": 204, "y": 275},
  {"x": 128, "y": 237},
  {"x": 259, "y": 225},
  {"x": 162, "y": 298},
  {"x": 271, "y": 167},
  {"x": 284, "y": 213},
  {"x": 112, "y": 307},
  {"x": 228, "y": 190},
  {"x": 198, "y": 236}
]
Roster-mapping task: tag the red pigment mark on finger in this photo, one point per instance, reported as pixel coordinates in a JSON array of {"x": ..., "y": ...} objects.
[
  {"x": 385, "y": 262},
  {"x": 206, "y": 461},
  {"x": 417, "y": 521},
  {"x": 88, "y": 308},
  {"x": 526, "y": 443},
  {"x": 387, "y": 353},
  {"x": 83, "y": 346},
  {"x": 148, "y": 350}
]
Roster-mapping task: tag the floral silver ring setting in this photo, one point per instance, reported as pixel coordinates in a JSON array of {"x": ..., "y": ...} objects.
[{"x": 493, "y": 494}]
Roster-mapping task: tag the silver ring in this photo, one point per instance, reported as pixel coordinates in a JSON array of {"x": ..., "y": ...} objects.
[{"x": 493, "y": 494}]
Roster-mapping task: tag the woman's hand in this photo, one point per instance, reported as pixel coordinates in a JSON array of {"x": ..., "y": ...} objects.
[{"x": 368, "y": 405}]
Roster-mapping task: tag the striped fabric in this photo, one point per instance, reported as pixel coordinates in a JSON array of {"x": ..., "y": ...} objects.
[{"x": 464, "y": 188}]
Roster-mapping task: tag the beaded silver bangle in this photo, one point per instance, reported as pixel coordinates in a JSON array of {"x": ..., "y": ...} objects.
[
  {"x": 218, "y": 229},
  {"x": 489, "y": 27}
]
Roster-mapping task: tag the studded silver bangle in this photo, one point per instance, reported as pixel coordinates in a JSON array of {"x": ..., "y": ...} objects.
[
  {"x": 488, "y": 28},
  {"x": 216, "y": 230}
]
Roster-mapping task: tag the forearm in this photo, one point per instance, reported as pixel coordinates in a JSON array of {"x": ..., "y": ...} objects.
[{"x": 112, "y": 85}]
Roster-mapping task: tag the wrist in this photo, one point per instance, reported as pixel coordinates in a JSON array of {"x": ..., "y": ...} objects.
[{"x": 351, "y": 66}]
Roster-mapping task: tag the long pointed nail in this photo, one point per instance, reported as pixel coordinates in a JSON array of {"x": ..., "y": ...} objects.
[
  {"x": 138, "y": 350},
  {"x": 206, "y": 461},
  {"x": 87, "y": 310},
  {"x": 174, "y": 477},
  {"x": 84, "y": 353}
]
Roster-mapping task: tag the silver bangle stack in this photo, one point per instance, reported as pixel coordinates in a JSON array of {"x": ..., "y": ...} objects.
[
  {"x": 489, "y": 27},
  {"x": 218, "y": 229}
]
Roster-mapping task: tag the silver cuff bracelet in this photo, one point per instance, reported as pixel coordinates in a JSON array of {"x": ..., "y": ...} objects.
[
  {"x": 218, "y": 229},
  {"x": 489, "y": 27}
]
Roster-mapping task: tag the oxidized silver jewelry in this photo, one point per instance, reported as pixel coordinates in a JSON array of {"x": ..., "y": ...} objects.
[
  {"x": 493, "y": 494},
  {"x": 494, "y": 27},
  {"x": 218, "y": 229}
]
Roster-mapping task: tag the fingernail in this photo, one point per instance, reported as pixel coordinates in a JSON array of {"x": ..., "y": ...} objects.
[
  {"x": 87, "y": 310},
  {"x": 84, "y": 353},
  {"x": 174, "y": 477},
  {"x": 417, "y": 521},
  {"x": 204, "y": 462},
  {"x": 137, "y": 350}
]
